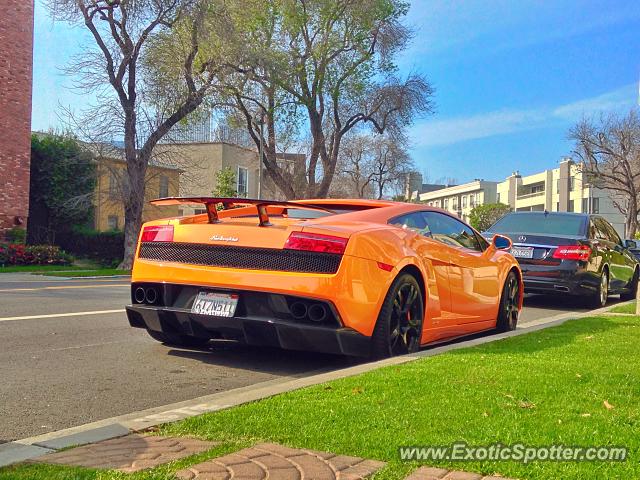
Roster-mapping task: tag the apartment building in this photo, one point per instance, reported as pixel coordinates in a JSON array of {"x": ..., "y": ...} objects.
[
  {"x": 201, "y": 161},
  {"x": 160, "y": 181},
  {"x": 461, "y": 199},
  {"x": 562, "y": 189}
]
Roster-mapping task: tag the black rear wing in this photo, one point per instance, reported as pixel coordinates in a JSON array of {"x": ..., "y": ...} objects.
[{"x": 211, "y": 204}]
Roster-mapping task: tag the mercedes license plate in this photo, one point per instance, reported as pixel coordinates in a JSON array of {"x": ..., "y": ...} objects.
[
  {"x": 215, "y": 304},
  {"x": 522, "y": 252}
]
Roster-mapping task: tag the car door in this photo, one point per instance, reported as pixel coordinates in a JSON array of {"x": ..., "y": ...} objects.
[
  {"x": 437, "y": 257},
  {"x": 620, "y": 268},
  {"x": 473, "y": 277}
]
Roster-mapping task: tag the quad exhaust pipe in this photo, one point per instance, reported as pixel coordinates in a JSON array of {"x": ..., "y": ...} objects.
[
  {"x": 147, "y": 295},
  {"x": 316, "y": 312}
]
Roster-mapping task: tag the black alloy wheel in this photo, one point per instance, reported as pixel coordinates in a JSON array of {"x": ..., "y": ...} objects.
[
  {"x": 509, "y": 302},
  {"x": 398, "y": 330},
  {"x": 599, "y": 297}
]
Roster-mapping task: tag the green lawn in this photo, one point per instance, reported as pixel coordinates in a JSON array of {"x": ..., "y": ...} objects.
[
  {"x": 547, "y": 387},
  {"x": 628, "y": 308}
]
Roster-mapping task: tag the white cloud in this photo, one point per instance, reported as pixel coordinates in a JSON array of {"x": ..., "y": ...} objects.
[
  {"x": 502, "y": 122},
  {"x": 620, "y": 98}
]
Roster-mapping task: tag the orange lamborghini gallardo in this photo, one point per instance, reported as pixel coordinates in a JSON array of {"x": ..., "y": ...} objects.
[{"x": 354, "y": 277}]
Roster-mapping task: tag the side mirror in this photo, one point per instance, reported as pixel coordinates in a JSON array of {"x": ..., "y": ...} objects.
[
  {"x": 630, "y": 244},
  {"x": 500, "y": 242}
]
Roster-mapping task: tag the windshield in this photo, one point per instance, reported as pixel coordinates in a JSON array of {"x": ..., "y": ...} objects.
[{"x": 540, "y": 223}]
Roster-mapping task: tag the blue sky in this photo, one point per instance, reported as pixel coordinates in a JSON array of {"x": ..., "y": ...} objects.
[{"x": 511, "y": 77}]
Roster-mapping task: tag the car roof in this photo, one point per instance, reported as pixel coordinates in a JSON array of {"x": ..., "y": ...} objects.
[{"x": 574, "y": 214}]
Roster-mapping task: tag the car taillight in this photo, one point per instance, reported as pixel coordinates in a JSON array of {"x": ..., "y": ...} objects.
[
  {"x": 316, "y": 242},
  {"x": 572, "y": 252},
  {"x": 157, "y": 233}
]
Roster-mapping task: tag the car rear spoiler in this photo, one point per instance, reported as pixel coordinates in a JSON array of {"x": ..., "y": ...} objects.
[{"x": 211, "y": 203}]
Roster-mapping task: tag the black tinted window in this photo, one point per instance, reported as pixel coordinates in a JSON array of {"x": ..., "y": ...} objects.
[
  {"x": 453, "y": 232},
  {"x": 609, "y": 231},
  {"x": 539, "y": 223},
  {"x": 413, "y": 221}
]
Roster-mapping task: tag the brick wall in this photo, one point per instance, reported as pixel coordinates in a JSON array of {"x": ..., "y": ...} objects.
[{"x": 16, "y": 58}]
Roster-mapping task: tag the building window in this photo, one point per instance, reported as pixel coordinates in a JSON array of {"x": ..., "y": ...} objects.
[
  {"x": 595, "y": 205},
  {"x": 558, "y": 186},
  {"x": 464, "y": 201},
  {"x": 572, "y": 183},
  {"x": 164, "y": 186},
  {"x": 446, "y": 204},
  {"x": 570, "y": 209},
  {"x": 557, "y": 206},
  {"x": 498, "y": 197},
  {"x": 537, "y": 189},
  {"x": 114, "y": 185},
  {"x": 243, "y": 182},
  {"x": 112, "y": 222}
]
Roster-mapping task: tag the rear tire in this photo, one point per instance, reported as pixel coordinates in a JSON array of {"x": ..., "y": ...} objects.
[
  {"x": 599, "y": 299},
  {"x": 509, "y": 304},
  {"x": 177, "y": 340},
  {"x": 398, "y": 330}
]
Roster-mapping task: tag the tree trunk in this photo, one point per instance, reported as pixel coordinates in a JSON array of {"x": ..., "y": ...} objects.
[
  {"x": 631, "y": 223},
  {"x": 133, "y": 195}
]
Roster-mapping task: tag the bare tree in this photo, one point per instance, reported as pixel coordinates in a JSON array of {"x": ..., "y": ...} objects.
[
  {"x": 141, "y": 95},
  {"x": 390, "y": 164},
  {"x": 609, "y": 152},
  {"x": 372, "y": 165},
  {"x": 322, "y": 68},
  {"x": 354, "y": 173}
]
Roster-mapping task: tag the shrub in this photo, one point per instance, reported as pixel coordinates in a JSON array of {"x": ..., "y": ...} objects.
[
  {"x": 16, "y": 235},
  {"x": 16, "y": 254},
  {"x": 106, "y": 248}
]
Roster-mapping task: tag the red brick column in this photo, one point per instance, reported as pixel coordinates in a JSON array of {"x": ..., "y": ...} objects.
[{"x": 16, "y": 72}]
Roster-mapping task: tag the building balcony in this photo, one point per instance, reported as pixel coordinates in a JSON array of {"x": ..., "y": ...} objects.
[{"x": 522, "y": 196}]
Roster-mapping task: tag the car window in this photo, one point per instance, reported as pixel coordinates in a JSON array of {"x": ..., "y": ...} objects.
[
  {"x": 413, "y": 221},
  {"x": 452, "y": 232},
  {"x": 610, "y": 232},
  {"x": 540, "y": 223}
]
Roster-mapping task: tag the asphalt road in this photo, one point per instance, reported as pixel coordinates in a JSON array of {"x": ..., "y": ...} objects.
[{"x": 62, "y": 371}]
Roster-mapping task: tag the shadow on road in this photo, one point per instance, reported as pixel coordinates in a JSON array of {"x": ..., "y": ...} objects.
[
  {"x": 567, "y": 303},
  {"x": 299, "y": 363},
  {"x": 264, "y": 359}
]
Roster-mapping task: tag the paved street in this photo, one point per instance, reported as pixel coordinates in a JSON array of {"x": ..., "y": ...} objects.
[{"x": 62, "y": 371}]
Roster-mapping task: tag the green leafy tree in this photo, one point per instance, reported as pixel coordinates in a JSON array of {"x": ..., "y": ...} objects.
[
  {"x": 315, "y": 69},
  {"x": 62, "y": 183},
  {"x": 483, "y": 216},
  {"x": 225, "y": 183}
]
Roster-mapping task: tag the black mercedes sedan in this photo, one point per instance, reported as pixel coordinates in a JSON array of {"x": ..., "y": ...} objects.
[{"x": 571, "y": 253}]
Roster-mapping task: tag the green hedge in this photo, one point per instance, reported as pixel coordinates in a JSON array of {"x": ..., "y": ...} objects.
[{"x": 107, "y": 248}]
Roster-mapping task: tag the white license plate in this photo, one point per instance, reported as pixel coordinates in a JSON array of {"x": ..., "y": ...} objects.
[
  {"x": 522, "y": 252},
  {"x": 215, "y": 304}
]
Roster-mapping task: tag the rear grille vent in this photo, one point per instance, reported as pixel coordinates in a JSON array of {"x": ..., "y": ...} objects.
[{"x": 241, "y": 257}]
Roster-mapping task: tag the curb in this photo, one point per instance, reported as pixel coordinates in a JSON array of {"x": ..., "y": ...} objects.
[{"x": 33, "y": 447}]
